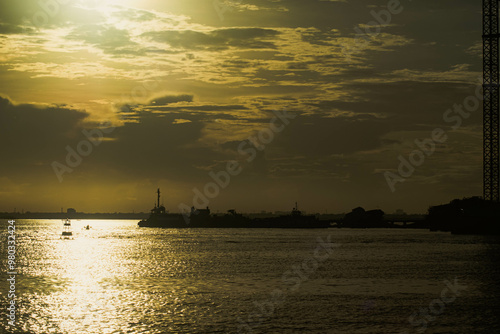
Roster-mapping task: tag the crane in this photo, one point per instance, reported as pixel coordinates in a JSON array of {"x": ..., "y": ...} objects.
[{"x": 491, "y": 94}]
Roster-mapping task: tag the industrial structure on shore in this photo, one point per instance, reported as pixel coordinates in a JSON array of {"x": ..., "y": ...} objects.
[{"x": 491, "y": 94}]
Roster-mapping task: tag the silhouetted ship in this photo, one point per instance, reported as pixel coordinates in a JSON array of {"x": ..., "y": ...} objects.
[
  {"x": 201, "y": 218},
  {"x": 159, "y": 217}
]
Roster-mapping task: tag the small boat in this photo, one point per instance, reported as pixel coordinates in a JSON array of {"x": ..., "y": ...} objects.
[{"x": 66, "y": 233}]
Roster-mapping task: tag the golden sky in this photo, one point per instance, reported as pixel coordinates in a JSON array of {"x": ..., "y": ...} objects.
[{"x": 184, "y": 83}]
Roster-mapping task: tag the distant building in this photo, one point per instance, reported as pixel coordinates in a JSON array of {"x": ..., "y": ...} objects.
[
  {"x": 399, "y": 212},
  {"x": 70, "y": 210}
]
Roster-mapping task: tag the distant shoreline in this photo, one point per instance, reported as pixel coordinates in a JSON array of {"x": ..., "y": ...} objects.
[
  {"x": 64, "y": 215},
  {"x": 144, "y": 215}
]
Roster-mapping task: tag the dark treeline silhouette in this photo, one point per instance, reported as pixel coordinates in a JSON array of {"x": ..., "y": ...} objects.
[
  {"x": 360, "y": 218},
  {"x": 472, "y": 215}
]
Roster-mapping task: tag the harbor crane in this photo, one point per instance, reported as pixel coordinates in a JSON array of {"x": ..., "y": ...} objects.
[{"x": 491, "y": 94}]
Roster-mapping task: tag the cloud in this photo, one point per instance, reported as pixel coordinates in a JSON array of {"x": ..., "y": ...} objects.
[
  {"x": 224, "y": 79},
  {"x": 134, "y": 14},
  {"x": 168, "y": 99},
  {"x": 36, "y": 135},
  {"x": 246, "y": 38},
  {"x": 33, "y": 135},
  {"x": 14, "y": 11},
  {"x": 6, "y": 28},
  {"x": 181, "y": 121},
  {"x": 107, "y": 38}
]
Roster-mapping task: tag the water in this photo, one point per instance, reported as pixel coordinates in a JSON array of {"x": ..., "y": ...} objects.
[{"x": 117, "y": 278}]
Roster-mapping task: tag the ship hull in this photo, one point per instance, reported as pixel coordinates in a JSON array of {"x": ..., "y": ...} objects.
[
  {"x": 229, "y": 221},
  {"x": 164, "y": 220}
]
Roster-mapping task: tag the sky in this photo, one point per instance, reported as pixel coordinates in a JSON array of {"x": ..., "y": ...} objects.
[{"x": 331, "y": 104}]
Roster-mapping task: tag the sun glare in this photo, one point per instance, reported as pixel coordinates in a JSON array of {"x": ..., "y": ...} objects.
[
  {"x": 108, "y": 7},
  {"x": 111, "y": 3}
]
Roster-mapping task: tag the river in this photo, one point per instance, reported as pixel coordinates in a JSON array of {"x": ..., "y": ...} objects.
[{"x": 118, "y": 278}]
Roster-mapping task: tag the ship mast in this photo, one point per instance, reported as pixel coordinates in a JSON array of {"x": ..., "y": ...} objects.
[{"x": 158, "y": 191}]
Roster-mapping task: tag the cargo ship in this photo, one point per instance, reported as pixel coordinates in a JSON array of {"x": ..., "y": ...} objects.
[
  {"x": 202, "y": 218},
  {"x": 159, "y": 217}
]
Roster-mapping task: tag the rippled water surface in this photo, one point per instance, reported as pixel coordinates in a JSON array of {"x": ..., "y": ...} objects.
[{"x": 117, "y": 278}]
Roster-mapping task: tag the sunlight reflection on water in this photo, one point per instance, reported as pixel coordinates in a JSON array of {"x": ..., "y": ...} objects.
[{"x": 117, "y": 278}]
